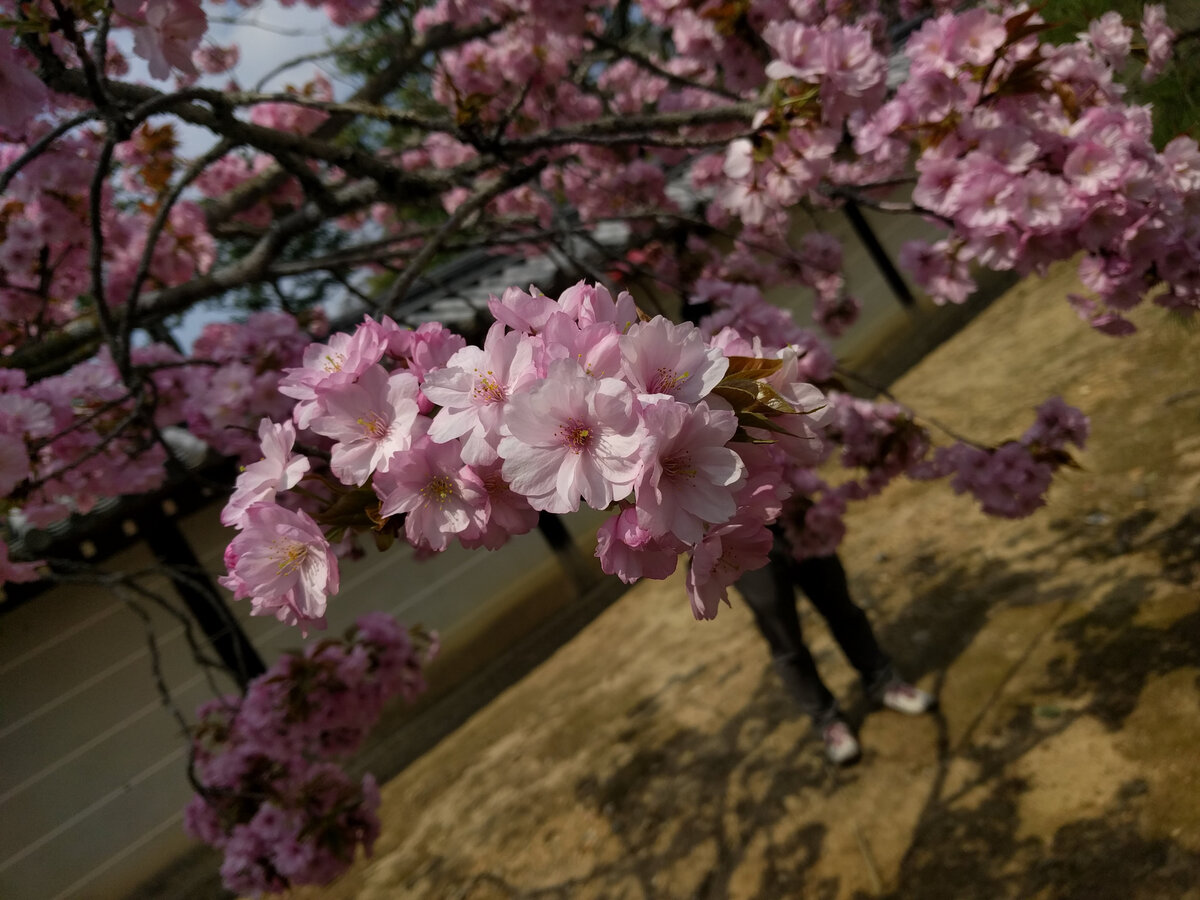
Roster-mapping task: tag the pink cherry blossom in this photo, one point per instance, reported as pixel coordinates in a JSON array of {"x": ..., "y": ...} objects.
[
  {"x": 170, "y": 34},
  {"x": 596, "y": 347},
  {"x": 572, "y": 436},
  {"x": 282, "y": 561},
  {"x": 1057, "y": 425},
  {"x": 1092, "y": 167},
  {"x": 521, "y": 311},
  {"x": 1159, "y": 38},
  {"x": 474, "y": 388},
  {"x": 1111, "y": 37},
  {"x": 592, "y": 303},
  {"x": 424, "y": 349},
  {"x": 978, "y": 36},
  {"x": 279, "y": 470},
  {"x": 690, "y": 476},
  {"x": 672, "y": 360},
  {"x": 720, "y": 559},
  {"x": 438, "y": 493},
  {"x": 327, "y": 367},
  {"x": 369, "y": 420},
  {"x": 627, "y": 550},
  {"x": 508, "y": 513}
]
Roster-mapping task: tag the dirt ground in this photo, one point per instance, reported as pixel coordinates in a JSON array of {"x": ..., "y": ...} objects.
[{"x": 656, "y": 757}]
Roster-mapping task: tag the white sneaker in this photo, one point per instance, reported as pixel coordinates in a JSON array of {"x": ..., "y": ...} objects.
[
  {"x": 902, "y": 697},
  {"x": 841, "y": 746}
]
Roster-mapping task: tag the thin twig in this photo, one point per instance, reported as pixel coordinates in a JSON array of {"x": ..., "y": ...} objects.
[
  {"x": 506, "y": 182},
  {"x": 165, "y": 206},
  {"x": 39, "y": 146},
  {"x": 164, "y": 690},
  {"x": 884, "y": 392}
]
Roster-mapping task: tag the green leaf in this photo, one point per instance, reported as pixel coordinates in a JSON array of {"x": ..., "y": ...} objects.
[
  {"x": 741, "y": 436},
  {"x": 755, "y": 420}
]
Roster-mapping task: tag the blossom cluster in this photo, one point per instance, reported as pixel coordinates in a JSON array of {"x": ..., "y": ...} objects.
[
  {"x": 273, "y": 796},
  {"x": 70, "y": 440},
  {"x": 1011, "y": 480},
  {"x": 1033, "y": 156},
  {"x": 569, "y": 400},
  {"x": 1048, "y": 164},
  {"x": 47, "y": 232},
  {"x": 882, "y": 440},
  {"x": 1029, "y": 153}
]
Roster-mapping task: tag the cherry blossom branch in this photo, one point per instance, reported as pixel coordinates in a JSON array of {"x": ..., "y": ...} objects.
[
  {"x": 856, "y": 196},
  {"x": 409, "y": 55},
  {"x": 348, "y": 108},
  {"x": 217, "y": 117},
  {"x": 84, "y": 421},
  {"x": 89, "y": 455},
  {"x": 636, "y": 125},
  {"x": 649, "y": 65},
  {"x": 604, "y": 131},
  {"x": 504, "y": 233},
  {"x": 96, "y": 248},
  {"x": 886, "y": 393}
]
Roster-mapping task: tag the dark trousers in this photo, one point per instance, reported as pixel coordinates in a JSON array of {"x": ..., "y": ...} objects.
[{"x": 770, "y": 593}]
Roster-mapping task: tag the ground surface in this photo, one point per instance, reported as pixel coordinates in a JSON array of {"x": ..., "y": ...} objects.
[{"x": 653, "y": 756}]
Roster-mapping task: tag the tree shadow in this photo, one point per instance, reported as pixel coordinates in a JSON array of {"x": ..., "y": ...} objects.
[
  {"x": 692, "y": 786},
  {"x": 973, "y": 851},
  {"x": 666, "y": 801}
]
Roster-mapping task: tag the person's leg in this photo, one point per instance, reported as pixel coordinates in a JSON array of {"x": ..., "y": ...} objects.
[
  {"x": 772, "y": 599},
  {"x": 823, "y": 581}
]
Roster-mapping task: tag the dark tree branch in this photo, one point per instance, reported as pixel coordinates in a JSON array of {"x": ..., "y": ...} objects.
[
  {"x": 506, "y": 182},
  {"x": 96, "y": 250},
  {"x": 409, "y": 56},
  {"x": 38, "y": 147},
  {"x": 649, "y": 65}
]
